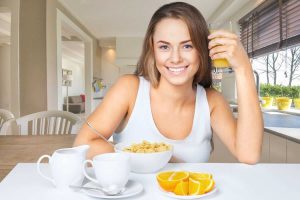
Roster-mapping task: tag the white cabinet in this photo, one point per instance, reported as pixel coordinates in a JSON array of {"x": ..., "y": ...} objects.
[
  {"x": 293, "y": 152},
  {"x": 265, "y": 152},
  {"x": 278, "y": 148}
]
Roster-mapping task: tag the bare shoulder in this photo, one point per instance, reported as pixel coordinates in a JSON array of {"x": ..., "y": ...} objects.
[
  {"x": 125, "y": 87},
  {"x": 214, "y": 98}
]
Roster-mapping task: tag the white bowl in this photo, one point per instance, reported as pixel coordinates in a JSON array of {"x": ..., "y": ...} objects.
[{"x": 145, "y": 162}]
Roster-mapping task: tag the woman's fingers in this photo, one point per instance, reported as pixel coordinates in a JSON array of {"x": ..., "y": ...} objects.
[
  {"x": 221, "y": 41},
  {"x": 217, "y": 49},
  {"x": 221, "y": 34}
]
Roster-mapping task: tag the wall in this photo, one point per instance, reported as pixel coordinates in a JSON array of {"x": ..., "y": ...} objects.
[
  {"x": 33, "y": 67},
  {"x": 109, "y": 71},
  {"x": 120, "y": 60},
  {"x": 5, "y": 76}
]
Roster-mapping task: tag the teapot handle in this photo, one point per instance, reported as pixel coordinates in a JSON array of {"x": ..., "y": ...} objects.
[
  {"x": 85, "y": 173},
  {"x": 39, "y": 169}
]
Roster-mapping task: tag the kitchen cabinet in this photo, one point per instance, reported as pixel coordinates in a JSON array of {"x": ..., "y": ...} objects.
[
  {"x": 278, "y": 146},
  {"x": 265, "y": 152},
  {"x": 293, "y": 152}
]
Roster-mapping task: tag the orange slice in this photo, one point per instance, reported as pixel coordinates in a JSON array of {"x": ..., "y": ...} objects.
[
  {"x": 195, "y": 187},
  {"x": 197, "y": 175},
  {"x": 169, "y": 179},
  {"x": 182, "y": 188}
]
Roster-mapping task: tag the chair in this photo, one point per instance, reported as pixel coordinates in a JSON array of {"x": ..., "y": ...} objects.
[
  {"x": 5, "y": 117},
  {"x": 48, "y": 123}
]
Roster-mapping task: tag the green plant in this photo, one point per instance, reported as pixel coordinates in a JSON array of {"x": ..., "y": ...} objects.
[{"x": 279, "y": 91}]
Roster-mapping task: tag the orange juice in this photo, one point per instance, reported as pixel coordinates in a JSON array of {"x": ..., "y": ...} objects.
[{"x": 220, "y": 63}]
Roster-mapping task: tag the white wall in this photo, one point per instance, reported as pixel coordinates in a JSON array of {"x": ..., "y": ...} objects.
[
  {"x": 5, "y": 77},
  {"x": 109, "y": 71}
]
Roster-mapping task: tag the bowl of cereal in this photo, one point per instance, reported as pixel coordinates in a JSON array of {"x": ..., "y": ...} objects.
[{"x": 145, "y": 156}]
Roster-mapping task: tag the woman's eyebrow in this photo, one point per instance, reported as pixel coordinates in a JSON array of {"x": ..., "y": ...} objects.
[{"x": 165, "y": 42}]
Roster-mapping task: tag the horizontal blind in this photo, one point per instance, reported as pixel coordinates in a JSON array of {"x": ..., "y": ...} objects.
[{"x": 273, "y": 25}]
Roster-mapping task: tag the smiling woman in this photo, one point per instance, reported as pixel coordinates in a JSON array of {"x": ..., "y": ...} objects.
[{"x": 170, "y": 98}]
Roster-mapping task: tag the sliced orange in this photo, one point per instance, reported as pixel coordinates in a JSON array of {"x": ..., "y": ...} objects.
[
  {"x": 208, "y": 183},
  {"x": 169, "y": 179},
  {"x": 197, "y": 175},
  {"x": 182, "y": 188},
  {"x": 195, "y": 187}
]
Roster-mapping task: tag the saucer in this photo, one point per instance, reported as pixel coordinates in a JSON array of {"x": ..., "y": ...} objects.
[
  {"x": 132, "y": 188},
  {"x": 171, "y": 194}
]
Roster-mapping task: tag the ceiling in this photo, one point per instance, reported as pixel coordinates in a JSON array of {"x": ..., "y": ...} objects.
[{"x": 129, "y": 18}]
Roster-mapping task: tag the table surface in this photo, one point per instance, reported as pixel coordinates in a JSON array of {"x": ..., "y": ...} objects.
[
  {"x": 27, "y": 149},
  {"x": 233, "y": 181}
]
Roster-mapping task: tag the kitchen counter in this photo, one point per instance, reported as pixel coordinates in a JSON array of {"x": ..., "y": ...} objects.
[{"x": 285, "y": 124}]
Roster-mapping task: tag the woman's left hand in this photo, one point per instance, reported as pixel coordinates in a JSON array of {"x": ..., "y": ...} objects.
[{"x": 224, "y": 44}]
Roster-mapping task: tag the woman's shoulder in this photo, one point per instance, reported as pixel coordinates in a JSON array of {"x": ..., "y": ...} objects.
[
  {"x": 127, "y": 85},
  {"x": 128, "y": 81},
  {"x": 214, "y": 97}
]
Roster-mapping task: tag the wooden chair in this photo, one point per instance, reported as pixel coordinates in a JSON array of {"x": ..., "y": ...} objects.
[
  {"x": 48, "y": 123},
  {"x": 5, "y": 117}
]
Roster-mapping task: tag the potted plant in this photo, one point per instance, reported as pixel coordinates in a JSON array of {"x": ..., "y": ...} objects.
[
  {"x": 267, "y": 101},
  {"x": 297, "y": 100},
  {"x": 284, "y": 101}
]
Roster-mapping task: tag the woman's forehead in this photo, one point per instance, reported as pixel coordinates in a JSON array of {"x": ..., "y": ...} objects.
[{"x": 171, "y": 29}]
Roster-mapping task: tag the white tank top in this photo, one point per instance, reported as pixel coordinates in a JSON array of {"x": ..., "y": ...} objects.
[{"x": 196, "y": 147}]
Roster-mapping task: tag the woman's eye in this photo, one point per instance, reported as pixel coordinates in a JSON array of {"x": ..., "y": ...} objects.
[
  {"x": 164, "y": 47},
  {"x": 187, "y": 46}
]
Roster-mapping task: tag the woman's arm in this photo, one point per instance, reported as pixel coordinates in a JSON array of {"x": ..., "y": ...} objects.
[
  {"x": 108, "y": 116},
  {"x": 244, "y": 136}
]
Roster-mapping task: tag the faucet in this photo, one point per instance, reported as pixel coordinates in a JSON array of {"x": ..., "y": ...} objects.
[
  {"x": 257, "y": 82},
  {"x": 257, "y": 85}
]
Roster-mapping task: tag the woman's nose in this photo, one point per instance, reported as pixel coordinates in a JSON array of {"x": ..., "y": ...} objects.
[{"x": 175, "y": 56}]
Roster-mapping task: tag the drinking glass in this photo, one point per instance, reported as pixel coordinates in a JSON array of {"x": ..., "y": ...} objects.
[{"x": 220, "y": 65}]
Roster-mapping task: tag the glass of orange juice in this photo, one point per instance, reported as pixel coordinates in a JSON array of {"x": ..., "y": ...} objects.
[{"x": 221, "y": 65}]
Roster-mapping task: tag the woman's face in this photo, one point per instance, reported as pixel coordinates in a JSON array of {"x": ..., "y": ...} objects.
[{"x": 175, "y": 56}]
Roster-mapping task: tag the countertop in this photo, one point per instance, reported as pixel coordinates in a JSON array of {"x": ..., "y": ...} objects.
[{"x": 285, "y": 124}]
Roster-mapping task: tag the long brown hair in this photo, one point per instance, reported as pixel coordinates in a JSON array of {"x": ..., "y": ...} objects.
[{"x": 198, "y": 31}]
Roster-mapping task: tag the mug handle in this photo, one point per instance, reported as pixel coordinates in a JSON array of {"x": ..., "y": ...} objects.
[
  {"x": 85, "y": 173},
  {"x": 39, "y": 169}
]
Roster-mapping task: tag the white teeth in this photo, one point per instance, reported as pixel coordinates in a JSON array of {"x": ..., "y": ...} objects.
[{"x": 173, "y": 69}]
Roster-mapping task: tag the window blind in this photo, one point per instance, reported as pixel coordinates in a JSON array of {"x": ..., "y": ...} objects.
[{"x": 273, "y": 25}]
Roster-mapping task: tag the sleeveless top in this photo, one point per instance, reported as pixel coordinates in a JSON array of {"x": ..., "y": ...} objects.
[{"x": 196, "y": 147}]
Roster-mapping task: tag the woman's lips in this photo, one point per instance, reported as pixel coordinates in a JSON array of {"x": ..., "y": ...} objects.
[{"x": 177, "y": 70}]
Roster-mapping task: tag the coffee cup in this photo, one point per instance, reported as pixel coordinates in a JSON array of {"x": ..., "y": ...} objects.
[
  {"x": 65, "y": 166},
  {"x": 111, "y": 171}
]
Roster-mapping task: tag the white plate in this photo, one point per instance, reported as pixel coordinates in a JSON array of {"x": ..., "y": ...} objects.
[
  {"x": 132, "y": 188},
  {"x": 171, "y": 194}
]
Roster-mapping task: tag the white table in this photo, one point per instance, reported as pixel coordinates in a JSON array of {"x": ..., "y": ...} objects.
[{"x": 233, "y": 181}]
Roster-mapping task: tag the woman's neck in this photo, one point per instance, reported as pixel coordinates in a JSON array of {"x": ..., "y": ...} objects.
[{"x": 177, "y": 94}]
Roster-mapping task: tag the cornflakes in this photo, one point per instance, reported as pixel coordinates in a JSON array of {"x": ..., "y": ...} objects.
[{"x": 147, "y": 147}]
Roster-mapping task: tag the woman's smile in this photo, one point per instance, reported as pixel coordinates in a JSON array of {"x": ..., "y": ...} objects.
[{"x": 177, "y": 70}]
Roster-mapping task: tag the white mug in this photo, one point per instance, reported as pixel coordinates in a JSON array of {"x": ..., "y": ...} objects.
[
  {"x": 111, "y": 171},
  {"x": 65, "y": 166}
]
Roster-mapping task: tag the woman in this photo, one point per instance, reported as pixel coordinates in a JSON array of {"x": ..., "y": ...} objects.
[{"x": 170, "y": 98}]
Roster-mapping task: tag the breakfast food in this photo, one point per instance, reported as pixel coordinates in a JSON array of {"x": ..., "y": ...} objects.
[
  {"x": 147, "y": 147},
  {"x": 185, "y": 183}
]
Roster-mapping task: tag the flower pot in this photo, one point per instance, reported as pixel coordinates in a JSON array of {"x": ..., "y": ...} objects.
[
  {"x": 267, "y": 102},
  {"x": 297, "y": 103},
  {"x": 283, "y": 103}
]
